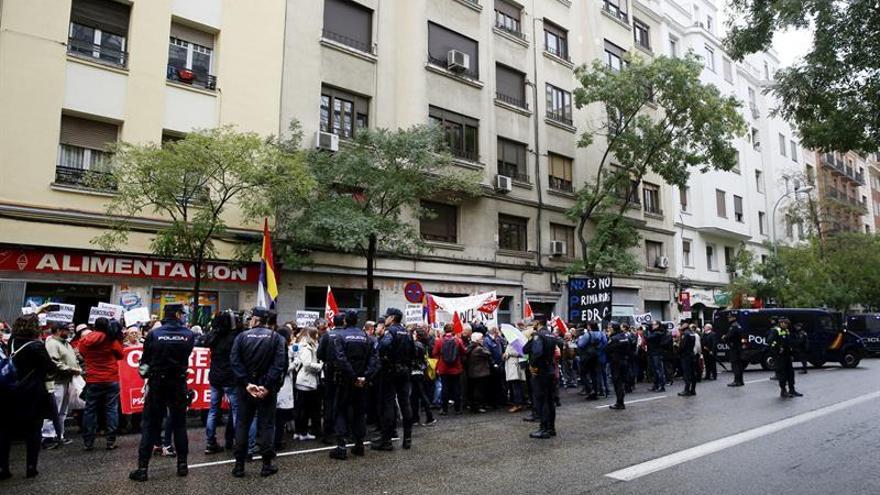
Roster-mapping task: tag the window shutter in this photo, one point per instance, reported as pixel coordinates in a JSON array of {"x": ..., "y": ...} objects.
[
  {"x": 349, "y": 19},
  {"x": 105, "y": 15},
  {"x": 507, "y": 8},
  {"x": 192, "y": 35},
  {"x": 510, "y": 82},
  {"x": 86, "y": 133}
]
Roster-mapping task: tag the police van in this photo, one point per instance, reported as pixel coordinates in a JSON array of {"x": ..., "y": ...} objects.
[
  {"x": 866, "y": 326},
  {"x": 828, "y": 340}
]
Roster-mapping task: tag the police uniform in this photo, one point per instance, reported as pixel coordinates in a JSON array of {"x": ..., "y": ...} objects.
[
  {"x": 688, "y": 364},
  {"x": 354, "y": 357},
  {"x": 258, "y": 357},
  {"x": 163, "y": 365},
  {"x": 541, "y": 350},
  {"x": 781, "y": 342},
  {"x": 324, "y": 354},
  {"x": 733, "y": 337},
  {"x": 618, "y": 353},
  {"x": 396, "y": 353}
]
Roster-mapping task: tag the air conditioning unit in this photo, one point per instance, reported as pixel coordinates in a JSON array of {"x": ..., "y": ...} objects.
[
  {"x": 457, "y": 61},
  {"x": 558, "y": 248},
  {"x": 503, "y": 184},
  {"x": 661, "y": 262},
  {"x": 326, "y": 141}
]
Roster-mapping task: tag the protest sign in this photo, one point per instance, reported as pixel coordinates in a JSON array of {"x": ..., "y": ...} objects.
[
  {"x": 413, "y": 314},
  {"x": 117, "y": 310},
  {"x": 589, "y": 299},
  {"x": 137, "y": 315},
  {"x": 95, "y": 313},
  {"x": 644, "y": 319},
  {"x": 306, "y": 318},
  {"x": 467, "y": 308},
  {"x": 131, "y": 384}
]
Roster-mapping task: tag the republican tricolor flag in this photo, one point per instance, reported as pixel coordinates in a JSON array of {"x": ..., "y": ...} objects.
[{"x": 267, "y": 291}]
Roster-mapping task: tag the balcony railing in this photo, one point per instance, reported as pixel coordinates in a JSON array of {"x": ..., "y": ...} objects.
[
  {"x": 513, "y": 32},
  {"x": 615, "y": 11},
  {"x": 511, "y": 100},
  {"x": 556, "y": 52},
  {"x": 657, "y": 212},
  {"x": 514, "y": 173},
  {"x": 559, "y": 117},
  {"x": 471, "y": 156},
  {"x": 84, "y": 178},
  {"x": 347, "y": 41},
  {"x": 186, "y": 76},
  {"x": 99, "y": 53},
  {"x": 558, "y": 184},
  {"x": 465, "y": 73}
]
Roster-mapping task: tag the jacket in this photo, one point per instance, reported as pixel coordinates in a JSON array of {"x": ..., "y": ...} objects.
[
  {"x": 32, "y": 365},
  {"x": 656, "y": 340},
  {"x": 687, "y": 344},
  {"x": 710, "y": 343},
  {"x": 396, "y": 350},
  {"x": 354, "y": 355},
  {"x": 167, "y": 350},
  {"x": 64, "y": 358},
  {"x": 309, "y": 371},
  {"x": 733, "y": 337},
  {"x": 618, "y": 348},
  {"x": 220, "y": 343},
  {"x": 444, "y": 368},
  {"x": 478, "y": 361},
  {"x": 100, "y": 354},
  {"x": 512, "y": 369},
  {"x": 541, "y": 349},
  {"x": 285, "y": 394},
  {"x": 495, "y": 346},
  {"x": 259, "y": 356}
]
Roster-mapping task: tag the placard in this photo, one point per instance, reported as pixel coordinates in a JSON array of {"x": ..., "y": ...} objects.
[
  {"x": 96, "y": 313},
  {"x": 63, "y": 315},
  {"x": 306, "y": 318},
  {"x": 117, "y": 310},
  {"x": 644, "y": 319},
  {"x": 137, "y": 315},
  {"x": 589, "y": 299},
  {"x": 413, "y": 314},
  {"x": 131, "y": 384}
]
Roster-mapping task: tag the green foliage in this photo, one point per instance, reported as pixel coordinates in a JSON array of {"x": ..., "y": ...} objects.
[
  {"x": 833, "y": 94},
  {"x": 661, "y": 119}
]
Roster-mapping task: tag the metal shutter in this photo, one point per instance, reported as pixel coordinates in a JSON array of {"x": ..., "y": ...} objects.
[
  {"x": 192, "y": 35},
  {"x": 105, "y": 15},
  {"x": 87, "y": 133},
  {"x": 11, "y": 299}
]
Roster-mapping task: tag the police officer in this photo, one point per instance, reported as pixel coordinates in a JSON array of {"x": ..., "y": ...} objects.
[
  {"x": 163, "y": 365},
  {"x": 259, "y": 362},
  {"x": 782, "y": 343},
  {"x": 541, "y": 349},
  {"x": 618, "y": 350},
  {"x": 396, "y": 353},
  {"x": 355, "y": 360},
  {"x": 328, "y": 382},
  {"x": 733, "y": 339},
  {"x": 687, "y": 344}
]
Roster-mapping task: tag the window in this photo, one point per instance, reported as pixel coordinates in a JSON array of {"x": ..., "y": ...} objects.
[
  {"x": 99, "y": 30},
  {"x": 560, "y": 173},
  {"x": 673, "y": 46},
  {"x": 555, "y": 40},
  {"x": 558, "y": 105},
  {"x": 686, "y": 252},
  {"x": 564, "y": 233},
  {"x": 710, "y": 58},
  {"x": 762, "y": 223},
  {"x": 439, "y": 222},
  {"x": 508, "y": 18},
  {"x": 738, "y": 208},
  {"x": 709, "y": 23},
  {"x": 642, "y": 34},
  {"x": 625, "y": 188},
  {"x": 729, "y": 258},
  {"x": 342, "y": 113},
  {"x": 721, "y": 203},
  {"x": 614, "y": 56},
  {"x": 190, "y": 56},
  {"x": 683, "y": 193},
  {"x": 651, "y": 197},
  {"x": 512, "y": 160},
  {"x": 756, "y": 140},
  {"x": 461, "y": 132},
  {"x": 710, "y": 258},
  {"x": 653, "y": 252},
  {"x": 728, "y": 70},
  {"x": 510, "y": 86},
  {"x": 782, "y": 144},
  {"x": 793, "y": 150},
  {"x": 736, "y": 168},
  {"x": 759, "y": 181},
  {"x": 512, "y": 233},
  {"x": 442, "y": 40},
  {"x": 617, "y": 8},
  {"x": 348, "y": 23},
  {"x": 82, "y": 146}
]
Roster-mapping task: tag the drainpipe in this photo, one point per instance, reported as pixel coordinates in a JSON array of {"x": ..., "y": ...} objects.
[{"x": 534, "y": 84}]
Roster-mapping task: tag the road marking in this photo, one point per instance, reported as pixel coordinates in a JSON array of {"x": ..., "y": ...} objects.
[
  {"x": 280, "y": 454},
  {"x": 635, "y": 401},
  {"x": 758, "y": 380},
  {"x": 668, "y": 461}
]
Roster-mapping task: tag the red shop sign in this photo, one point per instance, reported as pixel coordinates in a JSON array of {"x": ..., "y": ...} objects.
[{"x": 59, "y": 262}]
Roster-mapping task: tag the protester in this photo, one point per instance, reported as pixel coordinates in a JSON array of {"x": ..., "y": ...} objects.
[
  {"x": 101, "y": 349},
  {"x": 449, "y": 352},
  {"x": 477, "y": 364},
  {"x": 515, "y": 376},
  {"x": 618, "y": 350},
  {"x": 66, "y": 367},
  {"x": 687, "y": 352},
  {"x": 307, "y": 400},
  {"x": 420, "y": 382},
  {"x": 710, "y": 351},
  {"x": 222, "y": 380},
  {"x": 284, "y": 403}
]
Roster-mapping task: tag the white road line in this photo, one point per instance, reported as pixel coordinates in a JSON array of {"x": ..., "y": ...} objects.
[
  {"x": 667, "y": 461},
  {"x": 635, "y": 401},
  {"x": 758, "y": 380},
  {"x": 280, "y": 454}
]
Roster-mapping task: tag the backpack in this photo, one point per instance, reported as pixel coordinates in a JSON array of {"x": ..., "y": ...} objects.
[
  {"x": 449, "y": 351},
  {"x": 9, "y": 379}
]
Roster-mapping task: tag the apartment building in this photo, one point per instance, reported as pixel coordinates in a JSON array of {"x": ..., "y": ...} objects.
[
  {"x": 846, "y": 196},
  {"x": 76, "y": 75},
  {"x": 874, "y": 186}
]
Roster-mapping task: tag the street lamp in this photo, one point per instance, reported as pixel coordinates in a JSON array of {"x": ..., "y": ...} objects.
[{"x": 773, "y": 215}]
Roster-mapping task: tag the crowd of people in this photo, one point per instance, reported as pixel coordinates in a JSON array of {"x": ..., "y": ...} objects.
[{"x": 328, "y": 381}]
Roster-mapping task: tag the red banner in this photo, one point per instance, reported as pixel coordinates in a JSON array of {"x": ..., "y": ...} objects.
[
  {"x": 59, "y": 262},
  {"x": 131, "y": 384}
]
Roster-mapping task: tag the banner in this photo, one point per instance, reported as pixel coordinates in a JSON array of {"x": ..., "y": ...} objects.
[
  {"x": 131, "y": 384},
  {"x": 467, "y": 308},
  {"x": 589, "y": 299},
  {"x": 644, "y": 319},
  {"x": 96, "y": 313},
  {"x": 306, "y": 318},
  {"x": 413, "y": 315}
]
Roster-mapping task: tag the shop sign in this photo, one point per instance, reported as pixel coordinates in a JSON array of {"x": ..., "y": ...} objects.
[{"x": 57, "y": 262}]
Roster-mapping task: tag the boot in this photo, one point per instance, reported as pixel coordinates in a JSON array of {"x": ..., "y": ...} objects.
[
  {"x": 358, "y": 449},
  {"x": 795, "y": 393},
  {"x": 268, "y": 469},
  {"x": 139, "y": 474},
  {"x": 238, "y": 470},
  {"x": 339, "y": 453},
  {"x": 783, "y": 394},
  {"x": 407, "y": 443},
  {"x": 182, "y": 469},
  {"x": 31, "y": 472},
  {"x": 383, "y": 445}
]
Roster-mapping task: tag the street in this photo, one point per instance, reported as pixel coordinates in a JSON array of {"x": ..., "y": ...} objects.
[{"x": 725, "y": 441}]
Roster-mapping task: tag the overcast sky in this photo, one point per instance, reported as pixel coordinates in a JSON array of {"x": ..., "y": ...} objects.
[{"x": 792, "y": 45}]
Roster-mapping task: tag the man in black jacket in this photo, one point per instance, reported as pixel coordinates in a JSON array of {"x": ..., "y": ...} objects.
[
  {"x": 328, "y": 383},
  {"x": 618, "y": 351},
  {"x": 733, "y": 338},
  {"x": 541, "y": 349},
  {"x": 259, "y": 361},
  {"x": 396, "y": 352},
  {"x": 709, "y": 341},
  {"x": 656, "y": 337},
  {"x": 222, "y": 380},
  {"x": 687, "y": 353}
]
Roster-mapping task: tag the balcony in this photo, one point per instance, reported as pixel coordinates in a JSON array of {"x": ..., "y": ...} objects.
[
  {"x": 349, "y": 42},
  {"x": 471, "y": 74},
  {"x": 614, "y": 11},
  {"x": 80, "y": 177},
  {"x": 97, "y": 53},
  {"x": 558, "y": 184},
  {"x": 511, "y": 100},
  {"x": 514, "y": 173},
  {"x": 560, "y": 117},
  {"x": 462, "y": 154},
  {"x": 185, "y": 76},
  {"x": 513, "y": 32}
]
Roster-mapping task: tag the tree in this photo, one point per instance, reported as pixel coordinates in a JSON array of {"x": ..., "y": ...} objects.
[
  {"x": 193, "y": 183},
  {"x": 833, "y": 94},
  {"x": 661, "y": 119},
  {"x": 369, "y": 190}
]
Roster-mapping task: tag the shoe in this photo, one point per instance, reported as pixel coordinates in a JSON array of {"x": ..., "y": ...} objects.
[
  {"x": 139, "y": 474},
  {"x": 482, "y": 410},
  {"x": 182, "y": 470},
  {"x": 88, "y": 447},
  {"x": 431, "y": 422},
  {"x": 268, "y": 470},
  {"x": 540, "y": 434},
  {"x": 307, "y": 437},
  {"x": 803, "y": 372},
  {"x": 406, "y": 444},
  {"x": 795, "y": 393},
  {"x": 734, "y": 384},
  {"x": 552, "y": 433},
  {"x": 157, "y": 450},
  {"x": 213, "y": 448},
  {"x": 358, "y": 449},
  {"x": 297, "y": 437},
  {"x": 166, "y": 452},
  {"x": 31, "y": 472},
  {"x": 111, "y": 444},
  {"x": 784, "y": 394},
  {"x": 50, "y": 444},
  {"x": 617, "y": 407},
  {"x": 684, "y": 394},
  {"x": 238, "y": 470},
  {"x": 339, "y": 453},
  {"x": 530, "y": 419},
  {"x": 661, "y": 389},
  {"x": 444, "y": 413},
  {"x": 65, "y": 441},
  {"x": 592, "y": 397},
  {"x": 382, "y": 446}
]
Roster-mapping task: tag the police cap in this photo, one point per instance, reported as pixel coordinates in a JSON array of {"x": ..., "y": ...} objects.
[
  {"x": 393, "y": 312},
  {"x": 260, "y": 312},
  {"x": 172, "y": 310}
]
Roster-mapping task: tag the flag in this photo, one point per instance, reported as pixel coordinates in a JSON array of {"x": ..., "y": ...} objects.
[
  {"x": 490, "y": 306},
  {"x": 527, "y": 311},
  {"x": 267, "y": 291},
  {"x": 557, "y": 323},
  {"x": 330, "y": 308},
  {"x": 457, "y": 327},
  {"x": 429, "y": 309}
]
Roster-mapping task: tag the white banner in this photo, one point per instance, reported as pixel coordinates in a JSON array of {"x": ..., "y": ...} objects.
[
  {"x": 96, "y": 313},
  {"x": 413, "y": 314},
  {"x": 137, "y": 315},
  {"x": 306, "y": 318},
  {"x": 117, "y": 310},
  {"x": 466, "y": 307}
]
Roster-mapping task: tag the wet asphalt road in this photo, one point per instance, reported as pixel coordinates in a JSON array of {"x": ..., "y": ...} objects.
[{"x": 836, "y": 452}]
